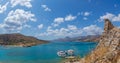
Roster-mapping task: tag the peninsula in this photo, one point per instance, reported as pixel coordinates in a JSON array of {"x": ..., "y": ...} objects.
[{"x": 17, "y": 39}]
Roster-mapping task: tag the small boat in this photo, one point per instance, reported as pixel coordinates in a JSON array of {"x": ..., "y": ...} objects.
[
  {"x": 66, "y": 53},
  {"x": 61, "y": 53},
  {"x": 70, "y": 52}
]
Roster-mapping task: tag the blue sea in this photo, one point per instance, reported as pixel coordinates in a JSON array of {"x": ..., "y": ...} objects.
[{"x": 45, "y": 53}]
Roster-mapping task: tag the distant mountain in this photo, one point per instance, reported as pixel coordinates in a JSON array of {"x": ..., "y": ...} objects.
[
  {"x": 89, "y": 38},
  {"x": 19, "y": 40}
]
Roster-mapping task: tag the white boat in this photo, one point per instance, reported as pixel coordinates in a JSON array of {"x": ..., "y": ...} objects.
[
  {"x": 69, "y": 52},
  {"x": 61, "y": 53}
]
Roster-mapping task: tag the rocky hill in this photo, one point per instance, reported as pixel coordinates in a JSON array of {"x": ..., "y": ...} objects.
[
  {"x": 19, "y": 40},
  {"x": 108, "y": 49},
  {"x": 89, "y": 38}
]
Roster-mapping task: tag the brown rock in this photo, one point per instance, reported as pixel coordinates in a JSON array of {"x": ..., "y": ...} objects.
[
  {"x": 108, "y": 49},
  {"x": 108, "y": 25}
]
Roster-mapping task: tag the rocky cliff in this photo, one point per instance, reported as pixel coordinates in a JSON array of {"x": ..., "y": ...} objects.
[
  {"x": 108, "y": 49},
  {"x": 19, "y": 40}
]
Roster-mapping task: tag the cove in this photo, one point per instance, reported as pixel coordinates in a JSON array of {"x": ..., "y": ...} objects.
[{"x": 45, "y": 53}]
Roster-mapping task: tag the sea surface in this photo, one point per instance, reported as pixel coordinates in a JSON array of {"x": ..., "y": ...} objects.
[{"x": 45, "y": 53}]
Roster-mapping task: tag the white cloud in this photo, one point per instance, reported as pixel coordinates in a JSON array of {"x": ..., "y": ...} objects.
[
  {"x": 16, "y": 20},
  {"x": 86, "y": 13},
  {"x": 40, "y": 26},
  {"x": 1, "y": 25},
  {"x": 26, "y": 3},
  {"x": 45, "y": 7},
  {"x": 57, "y": 21},
  {"x": 3, "y": 8},
  {"x": 55, "y": 24},
  {"x": 27, "y": 26},
  {"x": 92, "y": 30},
  {"x": 110, "y": 16},
  {"x": 60, "y": 20},
  {"x": 72, "y": 27},
  {"x": 71, "y": 31},
  {"x": 107, "y": 16},
  {"x": 70, "y": 17},
  {"x": 116, "y": 18}
]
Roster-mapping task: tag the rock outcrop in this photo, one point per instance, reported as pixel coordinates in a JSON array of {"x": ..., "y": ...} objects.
[{"x": 108, "y": 49}]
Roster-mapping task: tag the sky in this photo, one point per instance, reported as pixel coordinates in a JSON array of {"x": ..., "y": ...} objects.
[{"x": 52, "y": 19}]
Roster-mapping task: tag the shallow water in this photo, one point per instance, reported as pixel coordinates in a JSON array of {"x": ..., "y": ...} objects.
[{"x": 45, "y": 53}]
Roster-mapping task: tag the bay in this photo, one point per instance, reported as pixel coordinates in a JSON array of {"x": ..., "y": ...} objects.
[{"x": 45, "y": 53}]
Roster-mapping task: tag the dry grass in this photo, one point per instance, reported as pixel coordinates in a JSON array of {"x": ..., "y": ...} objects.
[{"x": 97, "y": 54}]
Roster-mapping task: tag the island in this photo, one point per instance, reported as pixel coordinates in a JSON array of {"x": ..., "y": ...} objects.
[{"x": 16, "y": 39}]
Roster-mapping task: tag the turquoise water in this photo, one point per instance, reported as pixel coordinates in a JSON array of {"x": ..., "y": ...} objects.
[{"x": 45, "y": 53}]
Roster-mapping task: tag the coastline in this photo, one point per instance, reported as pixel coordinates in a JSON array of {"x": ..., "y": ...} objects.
[{"x": 23, "y": 45}]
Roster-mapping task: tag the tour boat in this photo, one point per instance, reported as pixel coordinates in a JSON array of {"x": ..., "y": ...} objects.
[{"x": 66, "y": 53}]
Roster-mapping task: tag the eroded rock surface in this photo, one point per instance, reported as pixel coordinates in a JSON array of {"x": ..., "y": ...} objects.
[{"x": 108, "y": 49}]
